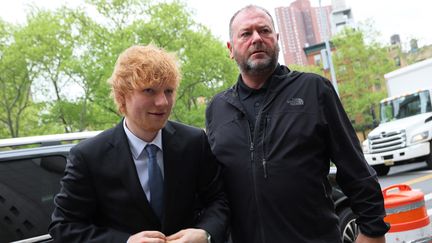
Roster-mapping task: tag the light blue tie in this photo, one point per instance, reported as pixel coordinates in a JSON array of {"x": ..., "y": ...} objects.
[{"x": 155, "y": 181}]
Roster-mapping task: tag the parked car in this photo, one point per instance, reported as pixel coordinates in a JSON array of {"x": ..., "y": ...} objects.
[
  {"x": 30, "y": 172},
  {"x": 348, "y": 227}
]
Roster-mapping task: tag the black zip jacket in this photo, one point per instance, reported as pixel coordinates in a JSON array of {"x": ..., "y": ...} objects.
[{"x": 277, "y": 182}]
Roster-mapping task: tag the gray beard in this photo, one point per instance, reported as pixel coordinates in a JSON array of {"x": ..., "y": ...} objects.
[
  {"x": 263, "y": 67},
  {"x": 260, "y": 67},
  {"x": 256, "y": 68}
]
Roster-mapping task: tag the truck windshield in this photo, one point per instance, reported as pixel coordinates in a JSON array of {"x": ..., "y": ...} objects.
[{"x": 405, "y": 106}]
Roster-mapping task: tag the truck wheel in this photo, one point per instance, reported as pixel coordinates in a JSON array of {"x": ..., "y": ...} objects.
[
  {"x": 429, "y": 157},
  {"x": 429, "y": 161},
  {"x": 381, "y": 170}
]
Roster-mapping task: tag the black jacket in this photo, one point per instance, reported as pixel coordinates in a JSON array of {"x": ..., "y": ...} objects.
[
  {"x": 102, "y": 200},
  {"x": 276, "y": 182}
]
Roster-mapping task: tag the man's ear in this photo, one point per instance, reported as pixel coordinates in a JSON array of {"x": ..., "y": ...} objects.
[{"x": 230, "y": 49}]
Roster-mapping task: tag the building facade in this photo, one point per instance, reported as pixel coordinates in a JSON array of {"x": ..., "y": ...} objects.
[{"x": 300, "y": 25}]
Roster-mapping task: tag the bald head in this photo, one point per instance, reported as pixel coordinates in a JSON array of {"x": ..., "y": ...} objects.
[{"x": 247, "y": 8}]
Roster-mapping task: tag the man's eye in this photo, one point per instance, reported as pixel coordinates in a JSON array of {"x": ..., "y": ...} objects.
[
  {"x": 169, "y": 91},
  {"x": 148, "y": 91},
  {"x": 265, "y": 31},
  {"x": 245, "y": 34}
]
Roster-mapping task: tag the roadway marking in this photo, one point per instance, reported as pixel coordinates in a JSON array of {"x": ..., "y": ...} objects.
[
  {"x": 417, "y": 180},
  {"x": 427, "y": 196}
]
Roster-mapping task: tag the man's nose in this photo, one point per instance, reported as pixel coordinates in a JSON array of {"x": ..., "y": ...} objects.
[
  {"x": 256, "y": 37},
  {"x": 161, "y": 99}
]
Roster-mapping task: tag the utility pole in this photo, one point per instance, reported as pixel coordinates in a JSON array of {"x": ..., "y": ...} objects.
[{"x": 327, "y": 51}]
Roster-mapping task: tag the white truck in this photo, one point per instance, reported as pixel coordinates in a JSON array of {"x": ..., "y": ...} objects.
[{"x": 404, "y": 134}]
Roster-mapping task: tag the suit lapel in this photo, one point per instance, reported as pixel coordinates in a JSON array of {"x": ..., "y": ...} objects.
[{"x": 122, "y": 157}]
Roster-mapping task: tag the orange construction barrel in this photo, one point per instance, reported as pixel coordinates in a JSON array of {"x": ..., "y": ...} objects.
[{"x": 406, "y": 214}]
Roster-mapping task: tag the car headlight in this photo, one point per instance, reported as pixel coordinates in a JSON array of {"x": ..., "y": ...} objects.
[
  {"x": 420, "y": 137},
  {"x": 365, "y": 146}
]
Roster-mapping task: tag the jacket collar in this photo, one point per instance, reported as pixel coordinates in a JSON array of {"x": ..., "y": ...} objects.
[
  {"x": 280, "y": 73},
  {"x": 277, "y": 82}
]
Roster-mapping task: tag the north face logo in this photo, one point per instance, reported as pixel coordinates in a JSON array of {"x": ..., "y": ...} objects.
[{"x": 295, "y": 101}]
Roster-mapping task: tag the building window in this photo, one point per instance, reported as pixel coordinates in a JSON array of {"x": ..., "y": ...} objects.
[{"x": 317, "y": 59}]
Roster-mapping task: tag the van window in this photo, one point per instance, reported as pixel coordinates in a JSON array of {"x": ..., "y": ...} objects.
[{"x": 27, "y": 188}]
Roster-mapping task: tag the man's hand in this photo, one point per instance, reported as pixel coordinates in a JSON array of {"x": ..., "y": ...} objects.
[
  {"x": 189, "y": 236},
  {"x": 147, "y": 237},
  {"x": 361, "y": 238}
]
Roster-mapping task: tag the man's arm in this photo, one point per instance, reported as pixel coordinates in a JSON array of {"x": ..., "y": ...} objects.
[
  {"x": 214, "y": 216},
  {"x": 361, "y": 238},
  {"x": 75, "y": 206},
  {"x": 355, "y": 177}
]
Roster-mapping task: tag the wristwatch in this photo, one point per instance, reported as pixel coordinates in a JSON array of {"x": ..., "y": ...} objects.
[{"x": 208, "y": 237}]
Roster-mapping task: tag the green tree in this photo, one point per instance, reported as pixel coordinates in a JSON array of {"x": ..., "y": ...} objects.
[
  {"x": 54, "y": 68},
  {"x": 206, "y": 69},
  {"x": 203, "y": 58},
  {"x": 16, "y": 75},
  {"x": 308, "y": 69},
  {"x": 51, "y": 44},
  {"x": 360, "y": 64}
]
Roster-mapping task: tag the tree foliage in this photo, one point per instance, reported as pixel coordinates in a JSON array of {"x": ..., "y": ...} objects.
[
  {"x": 360, "y": 64},
  {"x": 54, "y": 68},
  {"x": 308, "y": 69},
  {"x": 16, "y": 74}
]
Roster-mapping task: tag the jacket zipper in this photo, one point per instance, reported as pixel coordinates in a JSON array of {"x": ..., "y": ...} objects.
[
  {"x": 264, "y": 161},
  {"x": 252, "y": 150},
  {"x": 264, "y": 164},
  {"x": 267, "y": 99},
  {"x": 254, "y": 181}
]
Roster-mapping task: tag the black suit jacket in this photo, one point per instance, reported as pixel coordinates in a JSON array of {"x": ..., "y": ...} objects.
[{"x": 101, "y": 198}]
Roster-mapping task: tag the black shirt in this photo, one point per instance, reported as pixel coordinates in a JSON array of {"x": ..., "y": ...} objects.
[{"x": 252, "y": 100}]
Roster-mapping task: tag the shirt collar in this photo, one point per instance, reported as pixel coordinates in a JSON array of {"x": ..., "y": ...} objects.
[
  {"x": 137, "y": 145},
  {"x": 245, "y": 92}
]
